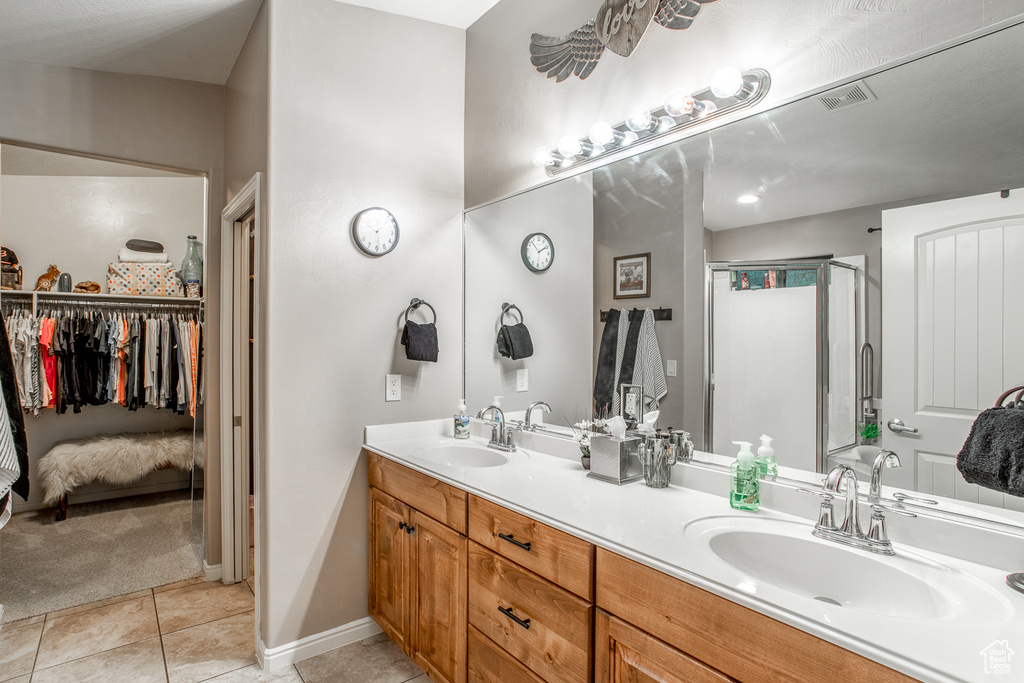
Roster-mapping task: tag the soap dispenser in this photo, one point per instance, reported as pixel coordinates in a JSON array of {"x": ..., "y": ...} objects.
[
  {"x": 766, "y": 462},
  {"x": 461, "y": 421},
  {"x": 746, "y": 491},
  {"x": 497, "y": 404}
]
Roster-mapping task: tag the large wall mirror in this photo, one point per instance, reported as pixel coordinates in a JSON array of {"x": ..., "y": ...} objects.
[{"x": 793, "y": 315}]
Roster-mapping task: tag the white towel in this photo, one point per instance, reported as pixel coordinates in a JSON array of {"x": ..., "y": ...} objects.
[
  {"x": 649, "y": 371},
  {"x": 126, "y": 255}
]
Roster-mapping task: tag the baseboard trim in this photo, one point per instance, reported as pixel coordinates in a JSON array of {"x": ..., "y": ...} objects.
[
  {"x": 272, "y": 659},
  {"x": 212, "y": 572}
]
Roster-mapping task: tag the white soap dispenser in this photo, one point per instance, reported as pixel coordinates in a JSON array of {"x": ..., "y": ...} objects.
[
  {"x": 461, "y": 421},
  {"x": 766, "y": 463},
  {"x": 497, "y": 404}
]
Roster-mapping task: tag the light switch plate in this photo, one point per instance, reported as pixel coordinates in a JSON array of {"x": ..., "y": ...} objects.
[
  {"x": 670, "y": 370},
  {"x": 522, "y": 380},
  {"x": 393, "y": 388}
]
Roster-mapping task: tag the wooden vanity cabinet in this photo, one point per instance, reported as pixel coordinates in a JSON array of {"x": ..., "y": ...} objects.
[{"x": 418, "y": 568}]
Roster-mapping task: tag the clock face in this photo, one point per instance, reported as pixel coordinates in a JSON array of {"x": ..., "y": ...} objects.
[
  {"x": 538, "y": 252},
  {"x": 375, "y": 231}
]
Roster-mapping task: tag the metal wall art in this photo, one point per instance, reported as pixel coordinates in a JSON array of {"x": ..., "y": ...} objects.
[{"x": 619, "y": 26}]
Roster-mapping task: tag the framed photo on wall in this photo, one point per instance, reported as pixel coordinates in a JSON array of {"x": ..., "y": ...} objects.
[{"x": 632, "y": 276}]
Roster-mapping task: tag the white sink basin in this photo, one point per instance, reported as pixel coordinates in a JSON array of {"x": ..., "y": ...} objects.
[
  {"x": 778, "y": 554},
  {"x": 467, "y": 455}
]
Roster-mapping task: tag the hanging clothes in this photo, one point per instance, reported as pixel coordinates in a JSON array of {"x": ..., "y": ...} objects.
[
  {"x": 12, "y": 421},
  {"x": 73, "y": 358}
]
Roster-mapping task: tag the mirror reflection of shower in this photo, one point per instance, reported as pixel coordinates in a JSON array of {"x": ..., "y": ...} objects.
[{"x": 782, "y": 360}]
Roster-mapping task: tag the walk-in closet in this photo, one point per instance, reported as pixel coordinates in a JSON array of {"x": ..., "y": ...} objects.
[{"x": 102, "y": 300}]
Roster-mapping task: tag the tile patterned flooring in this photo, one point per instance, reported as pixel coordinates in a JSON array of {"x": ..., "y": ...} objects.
[{"x": 187, "y": 632}]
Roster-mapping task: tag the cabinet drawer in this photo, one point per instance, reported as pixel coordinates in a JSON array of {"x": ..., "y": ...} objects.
[
  {"x": 545, "y": 627},
  {"x": 444, "y": 503},
  {"x": 736, "y": 640},
  {"x": 623, "y": 654},
  {"x": 488, "y": 663},
  {"x": 554, "y": 554}
]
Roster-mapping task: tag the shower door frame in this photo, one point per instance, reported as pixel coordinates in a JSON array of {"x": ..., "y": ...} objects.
[{"x": 820, "y": 264}]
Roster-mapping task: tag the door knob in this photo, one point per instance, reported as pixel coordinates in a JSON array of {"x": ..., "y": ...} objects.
[{"x": 896, "y": 425}]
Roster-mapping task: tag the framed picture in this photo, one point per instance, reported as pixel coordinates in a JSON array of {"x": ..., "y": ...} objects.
[{"x": 633, "y": 276}]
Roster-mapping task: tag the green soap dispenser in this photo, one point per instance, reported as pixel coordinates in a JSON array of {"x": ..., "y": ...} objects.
[
  {"x": 746, "y": 490},
  {"x": 766, "y": 462}
]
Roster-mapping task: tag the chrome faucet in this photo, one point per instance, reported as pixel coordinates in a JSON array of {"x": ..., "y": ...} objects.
[
  {"x": 501, "y": 434},
  {"x": 883, "y": 459},
  {"x": 876, "y": 540},
  {"x": 528, "y": 425}
]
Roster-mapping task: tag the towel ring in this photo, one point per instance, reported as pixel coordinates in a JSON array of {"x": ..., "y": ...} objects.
[
  {"x": 1006, "y": 394},
  {"x": 507, "y": 308},
  {"x": 416, "y": 303}
]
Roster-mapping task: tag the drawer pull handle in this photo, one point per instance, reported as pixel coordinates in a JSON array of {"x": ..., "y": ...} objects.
[
  {"x": 402, "y": 525},
  {"x": 525, "y": 623},
  {"x": 409, "y": 528},
  {"x": 513, "y": 541}
]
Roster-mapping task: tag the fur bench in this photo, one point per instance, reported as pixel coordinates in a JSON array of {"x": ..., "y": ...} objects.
[{"x": 118, "y": 460}]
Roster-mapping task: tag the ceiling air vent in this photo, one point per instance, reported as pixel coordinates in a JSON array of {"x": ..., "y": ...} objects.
[{"x": 847, "y": 96}]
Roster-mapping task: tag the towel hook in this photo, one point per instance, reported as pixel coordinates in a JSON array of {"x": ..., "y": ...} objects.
[
  {"x": 416, "y": 303},
  {"x": 507, "y": 308}
]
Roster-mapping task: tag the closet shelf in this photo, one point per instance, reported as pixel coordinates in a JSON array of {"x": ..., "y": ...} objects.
[{"x": 105, "y": 298}]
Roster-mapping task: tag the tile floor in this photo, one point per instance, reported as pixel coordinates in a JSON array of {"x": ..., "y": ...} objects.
[{"x": 187, "y": 632}]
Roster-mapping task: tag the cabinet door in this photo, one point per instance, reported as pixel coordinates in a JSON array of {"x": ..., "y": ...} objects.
[
  {"x": 391, "y": 561},
  {"x": 623, "y": 654},
  {"x": 439, "y": 600}
]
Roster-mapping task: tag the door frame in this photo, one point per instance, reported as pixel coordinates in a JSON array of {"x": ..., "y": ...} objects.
[{"x": 234, "y": 485}]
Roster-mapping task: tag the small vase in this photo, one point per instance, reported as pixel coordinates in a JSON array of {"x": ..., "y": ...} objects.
[
  {"x": 585, "y": 457},
  {"x": 192, "y": 269}
]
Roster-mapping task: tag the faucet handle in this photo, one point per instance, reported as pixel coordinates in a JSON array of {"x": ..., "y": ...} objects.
[
  {"x": 826, "y": 496},
  {"x": 878, "y": 509}
]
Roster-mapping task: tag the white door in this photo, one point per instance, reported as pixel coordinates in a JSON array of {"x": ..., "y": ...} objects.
[{"x": 952, "y": 332}]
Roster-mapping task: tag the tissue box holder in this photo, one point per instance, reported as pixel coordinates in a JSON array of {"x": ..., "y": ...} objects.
[{"x": 614, "y": 460}]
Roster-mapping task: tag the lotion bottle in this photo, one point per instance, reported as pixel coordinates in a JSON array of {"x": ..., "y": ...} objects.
[
  {"x": 461, "y": 421},
  {"x": 746, "y": 490},
  {"x": 766, "y": 462}
]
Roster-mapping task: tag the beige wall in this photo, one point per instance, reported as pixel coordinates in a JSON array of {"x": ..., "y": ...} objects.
[
  {"x": 156, "y": 121},
  {"x": 511, "y": 109},
  {"x": 245, "y": 153},
  {"x": 366, "y": 109}
]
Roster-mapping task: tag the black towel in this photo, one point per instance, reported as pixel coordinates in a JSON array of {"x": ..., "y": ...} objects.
[
  {"x": 514, "y": 341},
  {"x": 604, "y": 378},
  {"x": 14, "y": 412},
  {"x": 993, "y": 455},
  {"x": 636, "y": 319},
  {"x": 420, "y": 341}
]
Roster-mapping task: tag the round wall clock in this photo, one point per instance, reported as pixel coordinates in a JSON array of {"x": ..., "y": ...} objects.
[
  {"x": 538, "y": 252},
  {"x": 375, "y": 230}
]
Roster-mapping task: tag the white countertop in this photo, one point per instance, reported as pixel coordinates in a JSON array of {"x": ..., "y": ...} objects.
[{"x": 661, "y": 528}]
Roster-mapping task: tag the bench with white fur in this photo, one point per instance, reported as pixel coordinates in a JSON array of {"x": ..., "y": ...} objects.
[{"x": 118, "y": 460}]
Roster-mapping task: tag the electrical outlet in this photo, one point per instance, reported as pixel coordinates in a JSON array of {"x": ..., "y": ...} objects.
[
  {"x": 393, "y": 388},
  {"x": 671, "y": 369},
  {"x": 522, "y": 380}
]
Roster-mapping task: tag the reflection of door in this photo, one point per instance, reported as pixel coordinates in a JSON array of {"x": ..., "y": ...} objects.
[{"x": 952, "y": 324}]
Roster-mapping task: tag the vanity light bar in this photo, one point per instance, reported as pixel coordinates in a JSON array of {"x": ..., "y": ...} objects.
[{"x": 681, "y": 111}]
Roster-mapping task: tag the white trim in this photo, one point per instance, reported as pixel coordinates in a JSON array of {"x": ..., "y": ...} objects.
[
  {"x": 273, "y": 659},
  {"x": 211, "y": 572}
]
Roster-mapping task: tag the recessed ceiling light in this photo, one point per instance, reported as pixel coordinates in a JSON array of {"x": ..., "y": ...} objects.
[{"x": 749, "y": 199}]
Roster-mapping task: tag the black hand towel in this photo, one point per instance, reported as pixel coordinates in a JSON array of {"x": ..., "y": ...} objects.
[
  {"x": 420, "y": 341},
  {"x": 9, "y": 381},
  {"x": 993, "y": 455},
  {"x": 636, "y": 319},
  {"x": 604, "y": 378},
  {"x": 514, "y": 341}
]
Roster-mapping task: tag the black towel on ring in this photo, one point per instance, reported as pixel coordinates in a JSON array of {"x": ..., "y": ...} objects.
[
  {"x": 993, "y": 455},
  {"x": 420, "y": 341},
  {"x": 514, "y": 341},
  {"x": 604, "y": 377}
]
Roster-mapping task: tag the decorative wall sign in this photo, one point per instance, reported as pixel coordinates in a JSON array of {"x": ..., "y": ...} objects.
[{"x": 619, "y": 26}]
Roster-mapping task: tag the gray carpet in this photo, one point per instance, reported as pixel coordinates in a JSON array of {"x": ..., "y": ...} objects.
[{"x": 102, "y": 550}]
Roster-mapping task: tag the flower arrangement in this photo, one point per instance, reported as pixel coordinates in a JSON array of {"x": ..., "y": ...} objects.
[{"x": 583, "y": 430}]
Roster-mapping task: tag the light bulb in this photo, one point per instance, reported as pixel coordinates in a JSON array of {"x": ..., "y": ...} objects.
[
  {"x": 570, "y": 146},
  {"x": 602, "y": 133},
  {"x": 639, "y": 120},
  {"x": 727, "y": 82},
  {"x": 543, "y": 157},
  {"x": 678, "y": 103},
  {"x": 749, "y": 199},
  {"x": 665, "y": 123}
]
